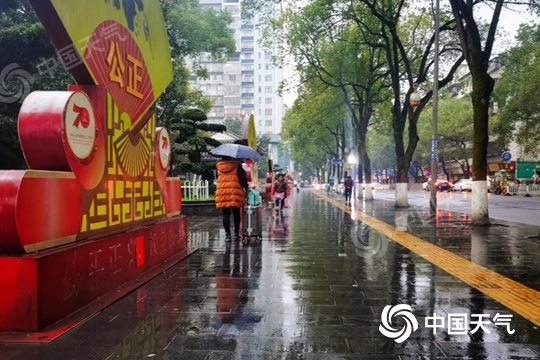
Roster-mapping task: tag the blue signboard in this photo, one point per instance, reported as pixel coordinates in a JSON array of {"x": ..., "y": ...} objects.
[
  {"x": 506, "y": 156},
  {"x": 336, "y": 161},
  {"x": 434, "y": 148}
]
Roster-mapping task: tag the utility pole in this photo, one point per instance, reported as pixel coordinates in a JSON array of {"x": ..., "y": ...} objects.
[{"x": 434, "y": 157}]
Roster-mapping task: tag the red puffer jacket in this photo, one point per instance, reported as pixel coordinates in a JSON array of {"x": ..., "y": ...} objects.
[{"x": 229, "y": 192}]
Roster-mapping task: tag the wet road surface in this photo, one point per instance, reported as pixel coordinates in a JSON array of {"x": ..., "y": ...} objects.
[
  {"x": 315, "y": 288},
  {"x": 509, "y": 208}
]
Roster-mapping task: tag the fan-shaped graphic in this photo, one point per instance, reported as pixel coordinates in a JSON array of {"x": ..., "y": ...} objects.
[
  {"x": 399, "y": 335},
  {"x": 117, "y": 63},
  {"x": 133, "y": 153}
]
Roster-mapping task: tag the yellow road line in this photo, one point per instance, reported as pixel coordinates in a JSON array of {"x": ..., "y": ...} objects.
[{"x": 512, "y": 294}]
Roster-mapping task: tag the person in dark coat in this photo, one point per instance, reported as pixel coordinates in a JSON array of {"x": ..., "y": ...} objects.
[
  {"x": 280, "y": 192},
  {"x": 348, "y": 184}
]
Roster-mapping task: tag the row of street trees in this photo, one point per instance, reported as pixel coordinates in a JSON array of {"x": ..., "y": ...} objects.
[{"x": 377, "y": 53}]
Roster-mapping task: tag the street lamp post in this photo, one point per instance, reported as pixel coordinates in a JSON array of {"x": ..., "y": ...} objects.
[{"x": 434, "y": 157}]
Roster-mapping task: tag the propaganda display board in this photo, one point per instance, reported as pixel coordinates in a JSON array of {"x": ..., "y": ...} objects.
[
  {"x": 94, "y": 215},
  {"x": 98, "y": 164}
]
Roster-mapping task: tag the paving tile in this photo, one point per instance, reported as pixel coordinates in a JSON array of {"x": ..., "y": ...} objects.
[{"x": 315, "y": 292}]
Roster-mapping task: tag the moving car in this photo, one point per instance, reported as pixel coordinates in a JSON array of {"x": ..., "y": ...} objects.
[
  {"x": 444, "y": 185},
  {"x": 463, "y": 185},
  {"x": 441, "y": 185}
]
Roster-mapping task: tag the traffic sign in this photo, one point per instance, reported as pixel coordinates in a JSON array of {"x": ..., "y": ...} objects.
[
  {"x": 506, "y": 156},
  {"x": 336, "y": 161}
]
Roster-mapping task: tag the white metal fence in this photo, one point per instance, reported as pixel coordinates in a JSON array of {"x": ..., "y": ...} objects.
[
  {"x": 523, "y": 189},
  {"x": 195, "y": 190}
]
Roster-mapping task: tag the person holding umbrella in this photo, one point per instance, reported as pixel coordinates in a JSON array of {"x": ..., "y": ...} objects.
[{"x": 230, "y": 193}]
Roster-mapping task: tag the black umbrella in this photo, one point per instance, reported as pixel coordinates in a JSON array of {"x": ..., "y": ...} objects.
[{"x": 236, "y": 151}]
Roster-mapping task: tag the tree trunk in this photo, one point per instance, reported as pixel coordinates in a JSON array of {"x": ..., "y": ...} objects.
[
  {"x": 478, "y": 61},
  {"x": 360, "y": 169},
  {"x": 366, "y": 162},
  {"x": 482, "y": 88},
  {"x": 443, "y": 167},
  {"x": 402, "y": 180}
]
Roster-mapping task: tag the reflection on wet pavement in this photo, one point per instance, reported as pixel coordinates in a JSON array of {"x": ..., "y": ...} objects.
[{"x": 314, "y": 288}]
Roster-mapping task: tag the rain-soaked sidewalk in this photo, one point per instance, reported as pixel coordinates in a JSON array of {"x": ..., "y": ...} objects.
[{"x": 316, "y": 286}]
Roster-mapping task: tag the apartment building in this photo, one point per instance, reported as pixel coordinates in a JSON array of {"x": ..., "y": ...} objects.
[{"x": 248, "y": 82}]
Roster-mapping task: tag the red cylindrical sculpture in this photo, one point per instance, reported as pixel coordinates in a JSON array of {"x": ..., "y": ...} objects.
[{"x": 59, "y": 130}]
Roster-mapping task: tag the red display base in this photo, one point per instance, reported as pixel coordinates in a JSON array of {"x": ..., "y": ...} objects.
[{"x": 46, "y": 294}]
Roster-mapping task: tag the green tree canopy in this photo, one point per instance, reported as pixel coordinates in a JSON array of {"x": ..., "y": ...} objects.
[
  {"x": 315, "y": 127},
  {"x": 518, "y": 91},
  {"x": 455, "y": 129},
  {"x": 234, "y": 126}
]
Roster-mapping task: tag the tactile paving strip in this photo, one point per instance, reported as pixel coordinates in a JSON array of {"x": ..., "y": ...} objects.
[{"x": 512, "y": 294}]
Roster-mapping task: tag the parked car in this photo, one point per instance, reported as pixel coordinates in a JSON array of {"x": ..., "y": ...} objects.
[
  {"x": 463, "y": 185},
  {"x": 444, "y": 185}
]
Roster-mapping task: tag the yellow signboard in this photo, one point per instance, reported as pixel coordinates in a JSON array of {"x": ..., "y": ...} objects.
[
  {"x": 122, "y": 44},
  {"x": 252, "y": 134}
]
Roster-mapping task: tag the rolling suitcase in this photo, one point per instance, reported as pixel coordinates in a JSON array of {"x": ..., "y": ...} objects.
[{"x": 252, "y": 222}]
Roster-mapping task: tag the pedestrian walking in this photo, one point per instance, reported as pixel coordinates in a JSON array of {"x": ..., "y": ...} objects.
[
  {"x": 280, "y": 192},
  {"x": 348, "y": 184},
  {"x": 230, "y": 194}
]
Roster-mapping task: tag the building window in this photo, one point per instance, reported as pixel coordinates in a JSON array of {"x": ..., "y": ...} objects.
[
  {"x": 233, "y": 101},
  {"x": 268, "y": 78},
  {"x": 268, "y": 100},
  {"x": 232, "y": 90},
  {"x": 267, "y": 89},
  {"x": 260, "y": 112},
  {"x": 259, "y": 100},
  {"x": 268, "y": 123},
  {"x": 259, "y": 89},
  {"x": 267, "y": 66},
  {"x": 267, "y": 111}
]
